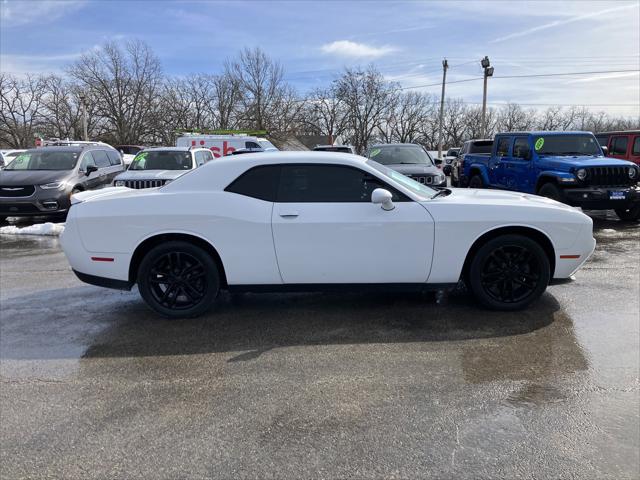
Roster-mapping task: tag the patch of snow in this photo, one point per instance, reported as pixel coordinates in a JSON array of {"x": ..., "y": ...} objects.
[{"x": 48, "y": 228}]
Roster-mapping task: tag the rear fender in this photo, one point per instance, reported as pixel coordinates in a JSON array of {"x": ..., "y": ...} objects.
[{"x": 482, "y": 170}]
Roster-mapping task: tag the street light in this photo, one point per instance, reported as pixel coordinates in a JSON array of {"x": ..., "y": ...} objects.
[
  {"x": 83, "y": 104},
  {"x": 488, "y": 72}
]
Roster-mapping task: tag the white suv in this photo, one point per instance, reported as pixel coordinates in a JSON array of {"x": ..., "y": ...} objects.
[{"x": 155, "y": 167}]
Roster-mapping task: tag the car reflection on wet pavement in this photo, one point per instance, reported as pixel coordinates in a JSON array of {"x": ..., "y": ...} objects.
[{"x": 94, "y": 385}]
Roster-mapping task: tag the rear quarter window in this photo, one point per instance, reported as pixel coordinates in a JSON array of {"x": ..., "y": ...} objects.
[{"x": 258, "y": 182}]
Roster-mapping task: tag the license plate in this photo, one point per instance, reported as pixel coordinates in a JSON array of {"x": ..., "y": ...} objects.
[{"x": 616, "y": 196}]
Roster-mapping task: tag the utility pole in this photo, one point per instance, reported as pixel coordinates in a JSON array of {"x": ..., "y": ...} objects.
[
  {"x": 488, "y": 72},
  {"x": 84, "y": 117},
  {"x": 445, "y": 66}
]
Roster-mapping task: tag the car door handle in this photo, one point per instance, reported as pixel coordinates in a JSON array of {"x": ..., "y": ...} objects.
[{"x": 288, "y": 214}]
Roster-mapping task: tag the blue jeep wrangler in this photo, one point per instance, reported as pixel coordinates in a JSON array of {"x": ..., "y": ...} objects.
[{"x": 566, "y": 166}]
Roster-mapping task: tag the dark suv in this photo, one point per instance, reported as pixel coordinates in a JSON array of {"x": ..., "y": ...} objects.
[
  {"x": 40, "y": 181},
  {"x": 411, "y": 160}
]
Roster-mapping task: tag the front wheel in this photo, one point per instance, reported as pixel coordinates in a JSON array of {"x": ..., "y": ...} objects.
[
  {"x": 178, "y": 280},
  {"x": 551, "y": 191},
  {"x": 509, "y": 272},
  {"x": 629, "y": 214}
]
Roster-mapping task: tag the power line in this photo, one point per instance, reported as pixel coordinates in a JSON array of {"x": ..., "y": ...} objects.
[{"x": 531, "y": 75}]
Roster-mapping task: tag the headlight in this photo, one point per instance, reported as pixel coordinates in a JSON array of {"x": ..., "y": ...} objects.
[
  {"x": 53, "y": 185},
  {"x": 581, "y": 174},
  {"x": 119, "y": 183},
  {"x": 633, "y": 172}
]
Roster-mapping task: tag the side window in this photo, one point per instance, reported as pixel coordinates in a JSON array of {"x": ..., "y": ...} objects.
[
  {"x": 251, "y": 145},
  {"x": 87, "y": 159},
  {"x": 503, "y": 147},
  {"x": 208, "y": 156},
  {"x": 200, "y": 158},
  {"x": 101, "y": 159},
  {"x": 521, "y": 148},
  {"x": 114, "y": 157},
  {"x": 258, "y": 182},
  {"x": 328, "y": 183},
  {"x": 636, "y": 146},
  {"x": 619, "y": 145}
]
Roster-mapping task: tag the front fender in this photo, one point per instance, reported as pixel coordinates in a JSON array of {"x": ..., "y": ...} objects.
[{"x": 561, "y": 178}]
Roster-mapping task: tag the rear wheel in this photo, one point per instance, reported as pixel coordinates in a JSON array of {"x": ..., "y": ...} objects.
[
  {"x": 551, "y": 191},
  {"x": 178, "y": 280},
  {"x": 476, "y": 181},
  {"x": 509, "y": 272},
  {"x": 629, "y": 214}
]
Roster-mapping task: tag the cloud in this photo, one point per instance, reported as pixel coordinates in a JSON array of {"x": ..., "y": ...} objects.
[
  {"x": 347, "y": 48},
  {"x": 604, "y": 77},
  {"x": 558, "y": 23},
  {"x": 15, "y": 14}
]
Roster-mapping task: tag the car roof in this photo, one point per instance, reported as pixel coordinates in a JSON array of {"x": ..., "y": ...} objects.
[
  {"x": 68, "y": 148},
  {"x": 220, "y": 172},
  {"x": 172, "y": 149},
  {"x": 616, "y": 132},
  {"x": 378, "y": 145},
  {"x": 546, "y": 133}
]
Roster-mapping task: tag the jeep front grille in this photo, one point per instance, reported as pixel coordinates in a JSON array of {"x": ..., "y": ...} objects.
[
  {"x": 144, "y": 183},
  {"x": 609, "y": 176}
]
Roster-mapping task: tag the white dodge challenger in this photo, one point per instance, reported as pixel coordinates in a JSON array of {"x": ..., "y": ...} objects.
[{"x": 307, "y": 221}]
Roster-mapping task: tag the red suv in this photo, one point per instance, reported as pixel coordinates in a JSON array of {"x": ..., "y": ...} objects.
[{"x": 622, "y": 145}]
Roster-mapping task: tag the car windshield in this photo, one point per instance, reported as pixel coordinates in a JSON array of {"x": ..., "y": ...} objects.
[
  {"x": 162, "y": 160},
  {"x": 266, "y": 144},
  {"x": 566, "y": 145},
  {"x": 418, "y": 188},
  {"x": 399, "y": 155},
  {"x": 35, "y": 160}
]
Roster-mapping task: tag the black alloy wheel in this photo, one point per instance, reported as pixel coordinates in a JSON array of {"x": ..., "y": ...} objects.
[
  {"x": 178, "y": 279},
  {"x": 509, "y": 272}
]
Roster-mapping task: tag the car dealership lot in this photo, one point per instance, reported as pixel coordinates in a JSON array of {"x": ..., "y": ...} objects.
[{"x": 94, "y": 385}]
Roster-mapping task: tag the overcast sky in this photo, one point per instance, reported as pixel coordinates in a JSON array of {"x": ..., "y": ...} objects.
[{"x": 315, "y": 40}]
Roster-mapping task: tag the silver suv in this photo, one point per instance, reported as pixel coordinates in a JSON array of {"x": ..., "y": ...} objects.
[
  {"x": 40, "y": 181},
  {"x": 155, "y": 167}
]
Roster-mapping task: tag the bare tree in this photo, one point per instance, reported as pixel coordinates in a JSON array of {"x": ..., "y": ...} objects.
[
  {"x": 512, "y": 118},
  {"x": 123, "y": 81},
  {"x": 21, "y": 109},
  {"x": 224, "y": 104},
  {"x": 324, "y": 113},
  {"x": 263, "y": 92},
  {"x": 367, "y": 97}
]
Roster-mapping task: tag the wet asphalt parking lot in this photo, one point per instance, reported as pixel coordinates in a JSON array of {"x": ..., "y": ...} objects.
[{"x": 93, "y": 385}]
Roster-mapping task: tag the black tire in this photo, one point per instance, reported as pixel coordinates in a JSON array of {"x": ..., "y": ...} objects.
[
  {"x": 476, "y": 181},
  {"x": 551, "y": 190},
  {"x": 509, "y": 272},
  {"x": 178, "y": 280},
  {"x": 630, "y": 214}
]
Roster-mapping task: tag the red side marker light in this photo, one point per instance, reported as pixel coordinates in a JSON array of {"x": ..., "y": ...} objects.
[
  {"x": 569, "y": 256},
  {"x": 102, "y": 259}
]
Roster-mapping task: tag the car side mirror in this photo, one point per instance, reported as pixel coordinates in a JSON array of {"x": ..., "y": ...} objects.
[
  {"x": 383, "y": 197},
  {"x": 90, "y": 169},
  {"x": 605, "y": 151}
]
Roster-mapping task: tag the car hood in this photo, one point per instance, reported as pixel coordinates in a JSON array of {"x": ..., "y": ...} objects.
[
  {"x": 151, "y": 174},
  {"x": 109, "y": 192},
  {"x": 582, "y": 161},
  {"x": 414, "y": 169},
  {"x": 474, "y": 196},
  {"x": 32, "y": 177}
]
